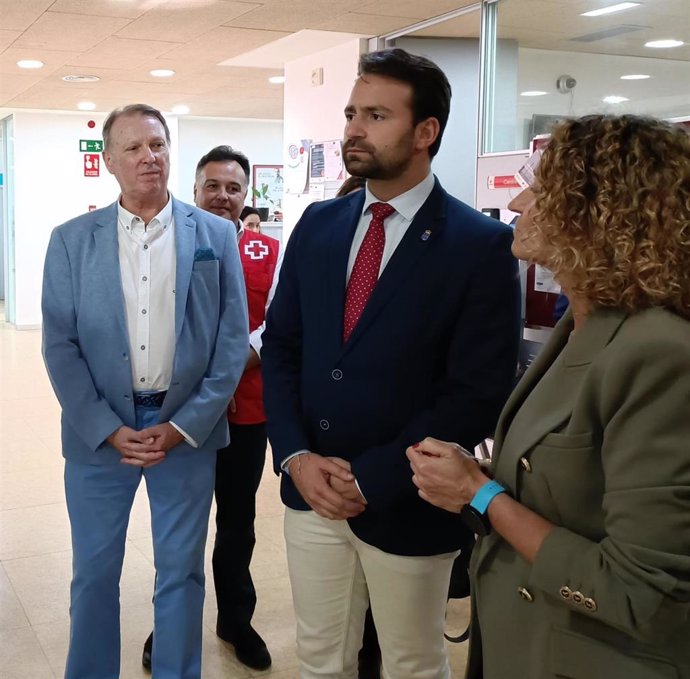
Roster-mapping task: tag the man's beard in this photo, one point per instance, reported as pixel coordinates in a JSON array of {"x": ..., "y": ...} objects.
[{"x": 372, "y": 167}]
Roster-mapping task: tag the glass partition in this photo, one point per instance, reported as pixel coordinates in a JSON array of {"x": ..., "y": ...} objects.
[{"x": 546, "y": 59}]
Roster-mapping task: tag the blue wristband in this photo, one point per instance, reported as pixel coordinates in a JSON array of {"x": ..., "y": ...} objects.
[{"x": 485, "y": 495}]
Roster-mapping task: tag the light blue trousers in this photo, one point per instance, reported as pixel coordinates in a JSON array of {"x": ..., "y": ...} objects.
[{"x": 99, "y": 500}]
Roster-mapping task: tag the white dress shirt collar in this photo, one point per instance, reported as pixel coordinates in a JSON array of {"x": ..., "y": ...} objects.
[
  {"x": 132, "y": 223},
  {"x": 406, "y": 204}
]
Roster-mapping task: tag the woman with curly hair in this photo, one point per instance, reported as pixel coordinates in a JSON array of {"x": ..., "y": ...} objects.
[{"x": 584, "y": 567}]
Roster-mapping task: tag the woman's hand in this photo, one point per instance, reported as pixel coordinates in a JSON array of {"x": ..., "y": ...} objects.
[{"x": 445, "y": 473}]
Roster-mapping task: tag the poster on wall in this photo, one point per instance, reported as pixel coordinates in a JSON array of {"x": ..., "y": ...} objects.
[
  {"x": 92, "y": 163},
  {"x": 268, "y": 185},
  {"x": 297, "y": 168},
  {"x": 326, "y": 163},
  {"x": 544, "y": 280},
  {"x": 540, "y": 298},
  {"x": 334, "y": 168},
  {"x": 316, "y": 163}
]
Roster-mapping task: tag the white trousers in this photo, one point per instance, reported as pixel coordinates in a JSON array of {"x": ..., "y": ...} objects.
[{"x": 334, "y": 576}]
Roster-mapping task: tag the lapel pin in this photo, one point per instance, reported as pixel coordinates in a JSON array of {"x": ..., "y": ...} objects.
[{"x": 426, "y": 234}]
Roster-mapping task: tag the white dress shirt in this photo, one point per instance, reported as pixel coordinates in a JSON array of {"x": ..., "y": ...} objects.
[
  {"x": 148, "y": 264},
  {"x": 147, "y": 267}
]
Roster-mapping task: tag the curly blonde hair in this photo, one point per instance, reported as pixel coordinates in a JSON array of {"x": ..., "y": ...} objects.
[{"x": 613, "y": 211}]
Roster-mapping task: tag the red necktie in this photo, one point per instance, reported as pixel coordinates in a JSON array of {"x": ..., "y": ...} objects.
[{"x": 365, "y": 272}]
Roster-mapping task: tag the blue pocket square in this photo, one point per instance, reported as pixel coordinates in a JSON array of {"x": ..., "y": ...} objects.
[{"x": 204, "y": 255}]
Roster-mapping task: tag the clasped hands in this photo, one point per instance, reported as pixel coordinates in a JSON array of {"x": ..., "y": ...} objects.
[
  {"x": 147, "y": 447},
  {"x": 445, "y": 473},
  {"x": 327, "y": 485}
]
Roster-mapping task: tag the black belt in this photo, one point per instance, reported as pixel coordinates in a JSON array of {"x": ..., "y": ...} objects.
[{"x": 149, "y": 399}]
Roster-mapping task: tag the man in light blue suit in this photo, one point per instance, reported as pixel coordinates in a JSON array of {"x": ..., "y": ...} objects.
[{"x": 145, "y": 338}]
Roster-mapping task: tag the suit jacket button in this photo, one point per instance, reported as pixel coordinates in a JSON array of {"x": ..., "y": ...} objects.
[
  {"x": 325, "y": 425},
  {"x": 578, "y": 598},
  {"x": 525, "y": 594},
  {"x": 590, "y": 604},
  {"x": 565, "y": 592},
  {"x": 337, "y": 374},
  {"x": 525, "y": 464}
]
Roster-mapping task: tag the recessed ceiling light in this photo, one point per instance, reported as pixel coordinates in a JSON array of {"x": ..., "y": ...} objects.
[
  {"x": 180, "y": 109},
  {"x": 277, "y": 79},
  {"x": 664, "y": 44},
  {"x": 611, "y": 9},
  {"x": 635, "y": 76},
  {"x": 30, "y": 63},
  {"x": 86, "y": 106},
  {"x": 532, "y": 93},
  {"x": 615, "y": 99},
  {"x": 80, "y": 78},
  {"x": 162, "y": 72}
]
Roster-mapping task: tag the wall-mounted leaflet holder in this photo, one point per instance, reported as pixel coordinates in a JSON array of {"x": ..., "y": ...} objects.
[{"x": 493, "y": 212}]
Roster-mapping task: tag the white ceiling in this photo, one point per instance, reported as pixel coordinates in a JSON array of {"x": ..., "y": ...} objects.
[{"x": 120, "y": 41}]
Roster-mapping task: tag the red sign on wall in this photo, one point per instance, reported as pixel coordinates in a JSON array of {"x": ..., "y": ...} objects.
[
  {"x": 502, "y": 182},
  {"x": 92, "y": 165}
]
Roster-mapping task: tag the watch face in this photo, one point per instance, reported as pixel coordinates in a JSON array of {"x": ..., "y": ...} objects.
[{"x": 476, "y": 522}]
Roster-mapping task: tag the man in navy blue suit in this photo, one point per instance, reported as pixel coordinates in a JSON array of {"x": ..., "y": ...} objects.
[{"x": 396, "y": 317}]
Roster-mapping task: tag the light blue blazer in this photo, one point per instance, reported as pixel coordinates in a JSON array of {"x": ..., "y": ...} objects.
[{"x": 85, "y": 341}]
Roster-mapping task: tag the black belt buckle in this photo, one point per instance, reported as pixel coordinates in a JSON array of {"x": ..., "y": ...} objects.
[{"x": 150, "y": 399}]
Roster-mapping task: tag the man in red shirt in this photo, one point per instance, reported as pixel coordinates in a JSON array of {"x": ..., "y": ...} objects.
[{"x": 222, "y": 179}]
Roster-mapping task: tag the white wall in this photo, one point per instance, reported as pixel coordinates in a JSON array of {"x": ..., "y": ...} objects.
[
  {"x": 455, "y": 164},
  {"x": 316, "y": 113},
  {"x": 260, "y": 140},
  {"x": 51, "y": 187}
]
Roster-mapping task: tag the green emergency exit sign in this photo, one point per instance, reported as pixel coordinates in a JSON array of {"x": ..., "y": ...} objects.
[{"x": 90, "y": 145}]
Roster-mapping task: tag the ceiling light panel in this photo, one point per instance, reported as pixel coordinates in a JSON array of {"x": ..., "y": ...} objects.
[
  {"x": 664, "y": 44},
  {"x": 611, "y": 9},
  {"x": 30, "y": 63}
]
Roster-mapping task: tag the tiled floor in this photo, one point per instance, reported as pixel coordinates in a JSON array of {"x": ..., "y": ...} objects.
[{"x": 35, "y": 556}]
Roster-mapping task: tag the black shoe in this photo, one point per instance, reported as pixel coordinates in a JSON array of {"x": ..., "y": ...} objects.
[
  {"x": 250, "y": 648},
  {"x": 146, "y": 655}
]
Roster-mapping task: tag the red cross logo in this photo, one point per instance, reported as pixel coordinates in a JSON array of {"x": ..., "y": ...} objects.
[{"x": 255, "y": 249}]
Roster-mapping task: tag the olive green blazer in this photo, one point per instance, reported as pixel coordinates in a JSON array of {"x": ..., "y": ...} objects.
[{"x": 596, "y": 439}]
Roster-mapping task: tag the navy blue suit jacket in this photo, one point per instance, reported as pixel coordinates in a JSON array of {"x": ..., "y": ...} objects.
[{"x": 434, "y": 354}]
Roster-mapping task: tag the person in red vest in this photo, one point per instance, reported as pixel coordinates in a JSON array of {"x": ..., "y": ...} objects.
[{"x": 222, "y": 179}]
